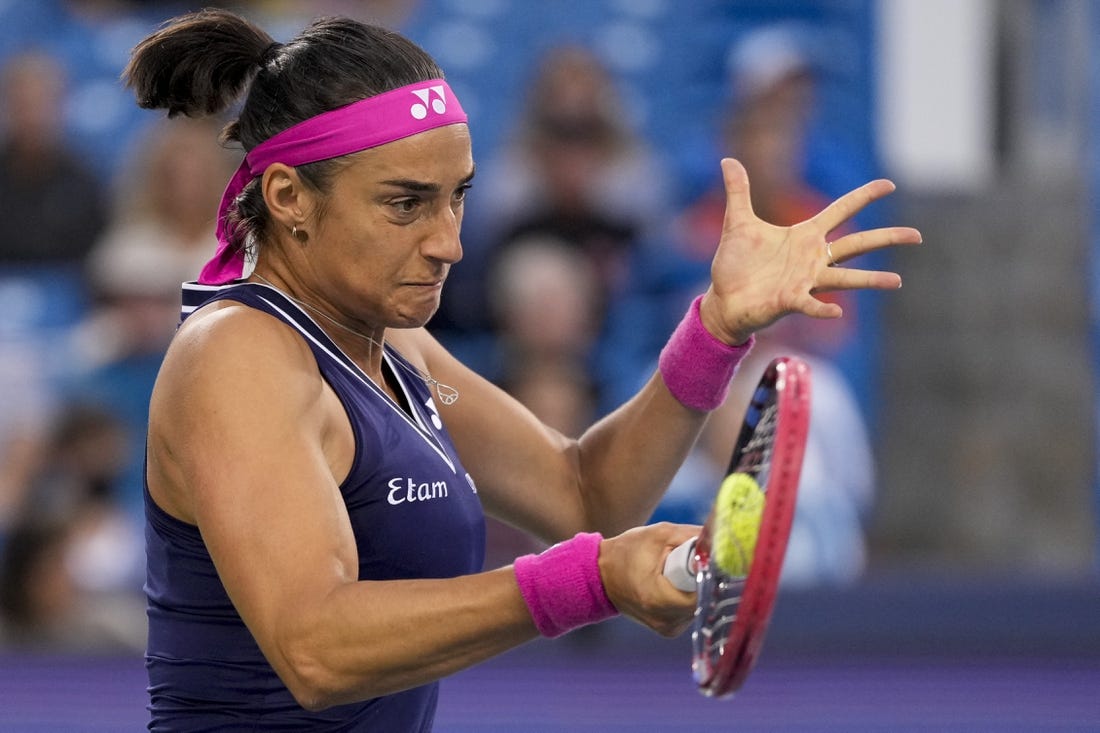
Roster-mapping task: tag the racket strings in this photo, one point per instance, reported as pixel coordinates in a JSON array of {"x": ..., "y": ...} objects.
[
  {"x": 719, "y": 615},
  {"x": 721, "y": 625},
  {"x": 756, "y": 456},
  {"x": 733, "y": 610},
  {"x": 724, "y": 610},
  {"x": 724, "y": 592}
]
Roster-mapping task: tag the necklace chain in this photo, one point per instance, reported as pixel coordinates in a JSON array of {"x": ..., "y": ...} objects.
[{"x": 447, "y": 394}]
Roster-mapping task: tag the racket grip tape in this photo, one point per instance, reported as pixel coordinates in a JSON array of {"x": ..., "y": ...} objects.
[
  {"x": 562, "y": 586},
  {"x": 696, "y": 367},
  {"x": 680, "y": 567}
]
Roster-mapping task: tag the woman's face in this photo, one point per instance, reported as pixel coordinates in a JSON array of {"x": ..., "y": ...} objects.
[{"x": 388, "y": 232}]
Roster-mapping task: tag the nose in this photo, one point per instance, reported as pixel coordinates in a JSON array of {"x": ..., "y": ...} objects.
[{"x": 444, "y": 243}]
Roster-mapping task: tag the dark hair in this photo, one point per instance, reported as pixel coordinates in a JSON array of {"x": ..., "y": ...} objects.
[{"x": 198, "y": 64}]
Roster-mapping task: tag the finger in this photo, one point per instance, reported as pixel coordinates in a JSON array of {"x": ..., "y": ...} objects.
[
  {"x": 858, "y": 243},
  {"x": 843, "y": 278},
  {"x": 674, "y": 533},
  {"x": 680, "y": 533},
  {"x": 814, "y": 308},
  {"x": 671, "y": 631},
  {"x": 738, "y": 201},
  {"x": 848, "y": 205}
]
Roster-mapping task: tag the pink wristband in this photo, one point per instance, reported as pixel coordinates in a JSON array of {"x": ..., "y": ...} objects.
[
  {"x": 562, "y": 586},
  {"x": 697, "y": 367}
]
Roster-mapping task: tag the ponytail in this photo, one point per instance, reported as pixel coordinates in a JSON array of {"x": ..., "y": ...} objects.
[{"x": 197, "y": 64}]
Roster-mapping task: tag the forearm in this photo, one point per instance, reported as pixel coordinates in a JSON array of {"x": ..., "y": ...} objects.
[
  {"x": 366, "y": 639},
  {"x": 613, "y": 476},
  {"x": 628, "y": 459}
]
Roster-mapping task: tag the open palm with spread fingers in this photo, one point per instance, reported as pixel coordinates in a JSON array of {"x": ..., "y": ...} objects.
[{"x": 762, "y": 272}]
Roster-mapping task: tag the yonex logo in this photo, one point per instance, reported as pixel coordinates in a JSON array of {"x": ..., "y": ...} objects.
[{"x": 430, "y": 96}]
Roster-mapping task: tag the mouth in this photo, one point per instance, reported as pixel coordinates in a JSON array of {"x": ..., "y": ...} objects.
[
  {"x": 432, "y": 282},
  {"x": 426, "y": 284}
]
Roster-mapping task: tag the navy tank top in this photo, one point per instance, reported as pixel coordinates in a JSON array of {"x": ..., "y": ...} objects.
[{"x": 414, "y": 511}]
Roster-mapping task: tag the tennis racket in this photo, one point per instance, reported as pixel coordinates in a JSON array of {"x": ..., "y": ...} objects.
[{"x": 734, "y": 563}]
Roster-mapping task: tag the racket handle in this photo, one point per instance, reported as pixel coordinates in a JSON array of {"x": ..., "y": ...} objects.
[{"x": 680, "y": 566}]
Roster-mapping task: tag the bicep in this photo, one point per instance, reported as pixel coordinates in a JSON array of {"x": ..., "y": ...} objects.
[{"x": 273, "y": 522}]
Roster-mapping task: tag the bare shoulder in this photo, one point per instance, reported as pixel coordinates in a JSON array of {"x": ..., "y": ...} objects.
[
  {"x": 227, "y": 342},
  {"x": 235, "y": 382},
  {"x": 230, "y": 358}
]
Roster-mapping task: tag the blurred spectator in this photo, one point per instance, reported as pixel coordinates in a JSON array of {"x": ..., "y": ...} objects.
[
  {"x": 85, "y": 459},
  {"x": 50, "y": 199},
  {"x": 543, "y": 297},
  {"x": 573, "y": 169},
  {"x": 773, "y": 83},
  {"x": 160, "y": 235},
  {"x": 42, "y": 606},
  {"x": 292, "y": 13},
  {"x": 20, "y": 452},
  {"x": 71, "y": 568},
  {"x": 82, "y": 461},
  {"x": 558, "y": 391},
  {"x": 574, "y": 151},
  {"x": 770, "y": 99},
  {"x": 37, "y": 594},
  {"x": 52, "y": 209},
  {"x": 91, "y": 40}
]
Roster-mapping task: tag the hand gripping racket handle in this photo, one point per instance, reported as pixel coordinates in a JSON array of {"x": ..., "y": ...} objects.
[{"x": 680, "y": 566}]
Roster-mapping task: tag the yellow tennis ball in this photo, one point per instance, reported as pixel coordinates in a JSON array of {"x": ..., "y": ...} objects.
[{"x": 739, "y": 507}]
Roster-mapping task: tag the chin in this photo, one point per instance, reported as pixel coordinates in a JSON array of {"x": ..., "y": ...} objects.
[{"x": 416, "y": 317}]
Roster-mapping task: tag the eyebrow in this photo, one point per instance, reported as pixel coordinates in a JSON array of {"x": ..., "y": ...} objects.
[{"x": 410, "y": 184}]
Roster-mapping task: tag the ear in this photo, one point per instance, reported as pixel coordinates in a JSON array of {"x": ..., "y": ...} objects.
[{"x": 287, "y": 198}]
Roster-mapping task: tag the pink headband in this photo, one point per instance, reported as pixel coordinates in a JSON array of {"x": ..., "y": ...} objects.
[{"x": 365, "y": 124}]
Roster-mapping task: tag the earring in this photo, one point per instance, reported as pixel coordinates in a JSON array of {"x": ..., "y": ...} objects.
[{"x": 301, "y": 236}]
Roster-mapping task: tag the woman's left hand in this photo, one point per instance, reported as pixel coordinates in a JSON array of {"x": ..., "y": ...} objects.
[{"x": 762, "y": 272}]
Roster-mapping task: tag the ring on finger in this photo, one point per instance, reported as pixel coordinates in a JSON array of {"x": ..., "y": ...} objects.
[{"x": 829, "y": 254}]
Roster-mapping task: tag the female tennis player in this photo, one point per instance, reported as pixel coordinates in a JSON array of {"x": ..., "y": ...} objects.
[{"x": 318, "y": 465}]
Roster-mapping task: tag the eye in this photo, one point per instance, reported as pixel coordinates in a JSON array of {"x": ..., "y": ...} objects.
[
  {"x": 405, "y": 206},
  {"x": 460, "y": 193}
]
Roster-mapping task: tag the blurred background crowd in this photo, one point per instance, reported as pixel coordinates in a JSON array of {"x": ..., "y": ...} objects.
[{"x": 953, "y": 422}]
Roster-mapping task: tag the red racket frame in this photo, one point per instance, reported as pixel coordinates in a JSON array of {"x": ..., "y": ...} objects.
[{"x": 720, "y": 665}]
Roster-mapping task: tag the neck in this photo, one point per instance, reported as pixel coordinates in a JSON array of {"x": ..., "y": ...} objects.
[
  {"x": 447, "y": 394},
  {"x": 374, "y": 346}
]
